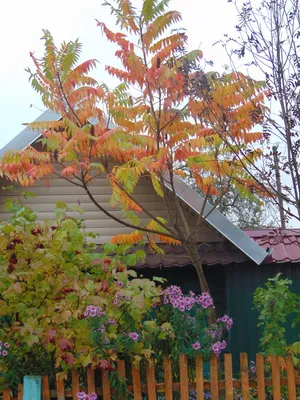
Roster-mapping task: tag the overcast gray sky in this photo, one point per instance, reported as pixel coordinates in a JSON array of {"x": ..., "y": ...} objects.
[{"x": 21, "y": 24}]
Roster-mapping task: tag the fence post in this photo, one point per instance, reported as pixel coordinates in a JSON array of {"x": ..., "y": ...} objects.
[
  {"x": 184, "y": 378},
  {"x": 75, "y": 384},
  {"x": 260, "y": 374},
  {"x": 91, "y": 380},
  {"x": 228, "y": 376},
  {"x": 168, "y": 378},
  {"x": 244, "y": 376},
  {"x": 45, "y": 388},
  {"x": 105, "y": 385},
  {"x": 20, "y": 391},
  {"x": 6, "y": 394},
  {"x": 291, "y": 378},
  {"x": 199, "y": 378},
  {"x": 214, "y": 385},
  {"x": 151, "y": 384},
  {"x": 276, "y": 378},
  {"x": 60, "y": 388},
  {"x": 136, "y": 382}
]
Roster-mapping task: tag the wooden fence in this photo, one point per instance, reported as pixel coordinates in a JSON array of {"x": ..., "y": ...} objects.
[{"x": 151, "y": 390}]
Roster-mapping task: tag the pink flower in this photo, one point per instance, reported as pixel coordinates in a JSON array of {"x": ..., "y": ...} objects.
[
  {"x": 7, "y": 345},
  {"x": 120, "y": 284},
  {"x": 4, "y": 353},
  {"x": 134, "y": 336},
  {"x": 196, "y": 345}
]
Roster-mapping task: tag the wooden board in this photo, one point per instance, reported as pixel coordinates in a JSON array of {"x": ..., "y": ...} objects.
[
  {"x": 168, "y": 378},
  {"x": 199, "y": 378},
  {"x": 244, "y": 376},
  {"x": 228, "y": 376},
  {"x": 184, "y": 378}
]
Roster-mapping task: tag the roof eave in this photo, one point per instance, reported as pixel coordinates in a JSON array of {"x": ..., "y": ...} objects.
[{"x": 218, "y": 221}]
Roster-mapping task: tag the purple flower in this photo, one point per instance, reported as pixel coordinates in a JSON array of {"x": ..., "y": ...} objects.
[
  {"x": 253, "y": 367},
  {"x": 4, "y": 353},
  {"x": 111, "y": 321},
  {"x": 120, "y": 284},
  {"x": 134, "y": 336},
  {"x": 82, "y": 396},
  {"x": 93, "y": 311},
  {"x": 7, "y": 345},
  {"x": 196, "y": 345}
]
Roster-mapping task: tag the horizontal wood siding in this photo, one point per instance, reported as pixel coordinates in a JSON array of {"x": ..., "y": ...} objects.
[{"x": 95, "y": 220}]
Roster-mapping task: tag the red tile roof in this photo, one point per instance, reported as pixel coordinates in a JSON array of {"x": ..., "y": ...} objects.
[{"x": 285, "y": 244}]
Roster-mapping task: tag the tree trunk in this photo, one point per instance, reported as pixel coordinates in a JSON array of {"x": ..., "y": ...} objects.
[{"x": 191, "y": 249}]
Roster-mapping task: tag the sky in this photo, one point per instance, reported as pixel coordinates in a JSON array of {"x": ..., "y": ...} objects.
[{"x": 21, "y": 24}]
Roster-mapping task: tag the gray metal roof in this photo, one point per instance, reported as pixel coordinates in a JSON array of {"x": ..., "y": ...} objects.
[
  {"x": 188, "y": 195},
  {"x": 28, "y": 136}
]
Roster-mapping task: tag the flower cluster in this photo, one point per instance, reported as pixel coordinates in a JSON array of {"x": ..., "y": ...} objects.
[
  {"x": 196, "y": 345},
  {"x": 218, "y": 347},
  {"x": 3, "y": 348},
  {"x": 84, "y": 396},
  {"x": 253, "y": 367},
  {"x": 174, "y": 296},
  {"x": 93, "y": 311},
  {"x": 134, "y": 336},
  {"x": 205, "y": 300},
  {"x": 227, "y": 321},
  {"x": 118, "y": 298}
]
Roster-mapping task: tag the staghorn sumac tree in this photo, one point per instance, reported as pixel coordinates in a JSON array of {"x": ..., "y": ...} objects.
[{"x": 170, "y": 120}]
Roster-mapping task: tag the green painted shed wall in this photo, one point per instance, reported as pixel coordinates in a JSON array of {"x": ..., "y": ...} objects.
[{"x": 241, "y": 282}]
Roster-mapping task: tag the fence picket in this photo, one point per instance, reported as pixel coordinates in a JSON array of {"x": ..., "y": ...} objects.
[
  {"x": 75, "y": 384},
  {"x": 199, "y": 378},
  {"x": 184, "y": 378},
  {"x": 136, "y": 382},
  {"x": 214, "y": 385},
  {"x": 151, "y": 384},
  {"x": 6, "y": 394},
  {"x": 91, "y": 380},
  {"x": 291, "y": 378},
  {"x": 105, "y": 385},
  {"x": 45, "y": 388},
  {"x": 228, "y": 376},
  {"x": 244, "y": 376},
  {"x": 168, "y": 378},
  {"x": 60, "y": 388},
  {"x": 20, "y": 392},
  {"x": 276, "y": 378},
  {"x": 122, "y": 373},
  {"x": 260, "y": 374}
]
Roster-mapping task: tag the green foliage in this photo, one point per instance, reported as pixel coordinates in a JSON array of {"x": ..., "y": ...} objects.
[
  {"x": 275, "y": 304},
  {"x": 49, "y": 274}
]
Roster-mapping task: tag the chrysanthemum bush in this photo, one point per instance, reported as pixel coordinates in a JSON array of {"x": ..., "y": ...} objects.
[{"x": 178, "y": 324}]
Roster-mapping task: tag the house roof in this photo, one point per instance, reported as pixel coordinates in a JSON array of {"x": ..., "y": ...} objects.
[
  {"x": 189, "y": 196},
  {"x": 284, "y": 243}
]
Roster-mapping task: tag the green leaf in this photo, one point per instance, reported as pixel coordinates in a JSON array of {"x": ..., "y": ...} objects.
[
  {"x": 61, "y": 204},
  {"x": 130, "y": 259}
]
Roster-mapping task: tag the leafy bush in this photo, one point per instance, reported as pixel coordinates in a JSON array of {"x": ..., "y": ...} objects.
[{"x": 275, "y": 304}]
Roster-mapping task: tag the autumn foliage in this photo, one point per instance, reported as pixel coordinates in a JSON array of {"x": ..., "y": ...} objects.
[{"x": 166, "y": 118}]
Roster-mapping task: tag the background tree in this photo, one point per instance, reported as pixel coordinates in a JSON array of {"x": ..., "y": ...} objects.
[
  {"x": 171, "y": 119},
  {"x": 268, "y": 39},
  {"x": 246, "y": 212}
]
